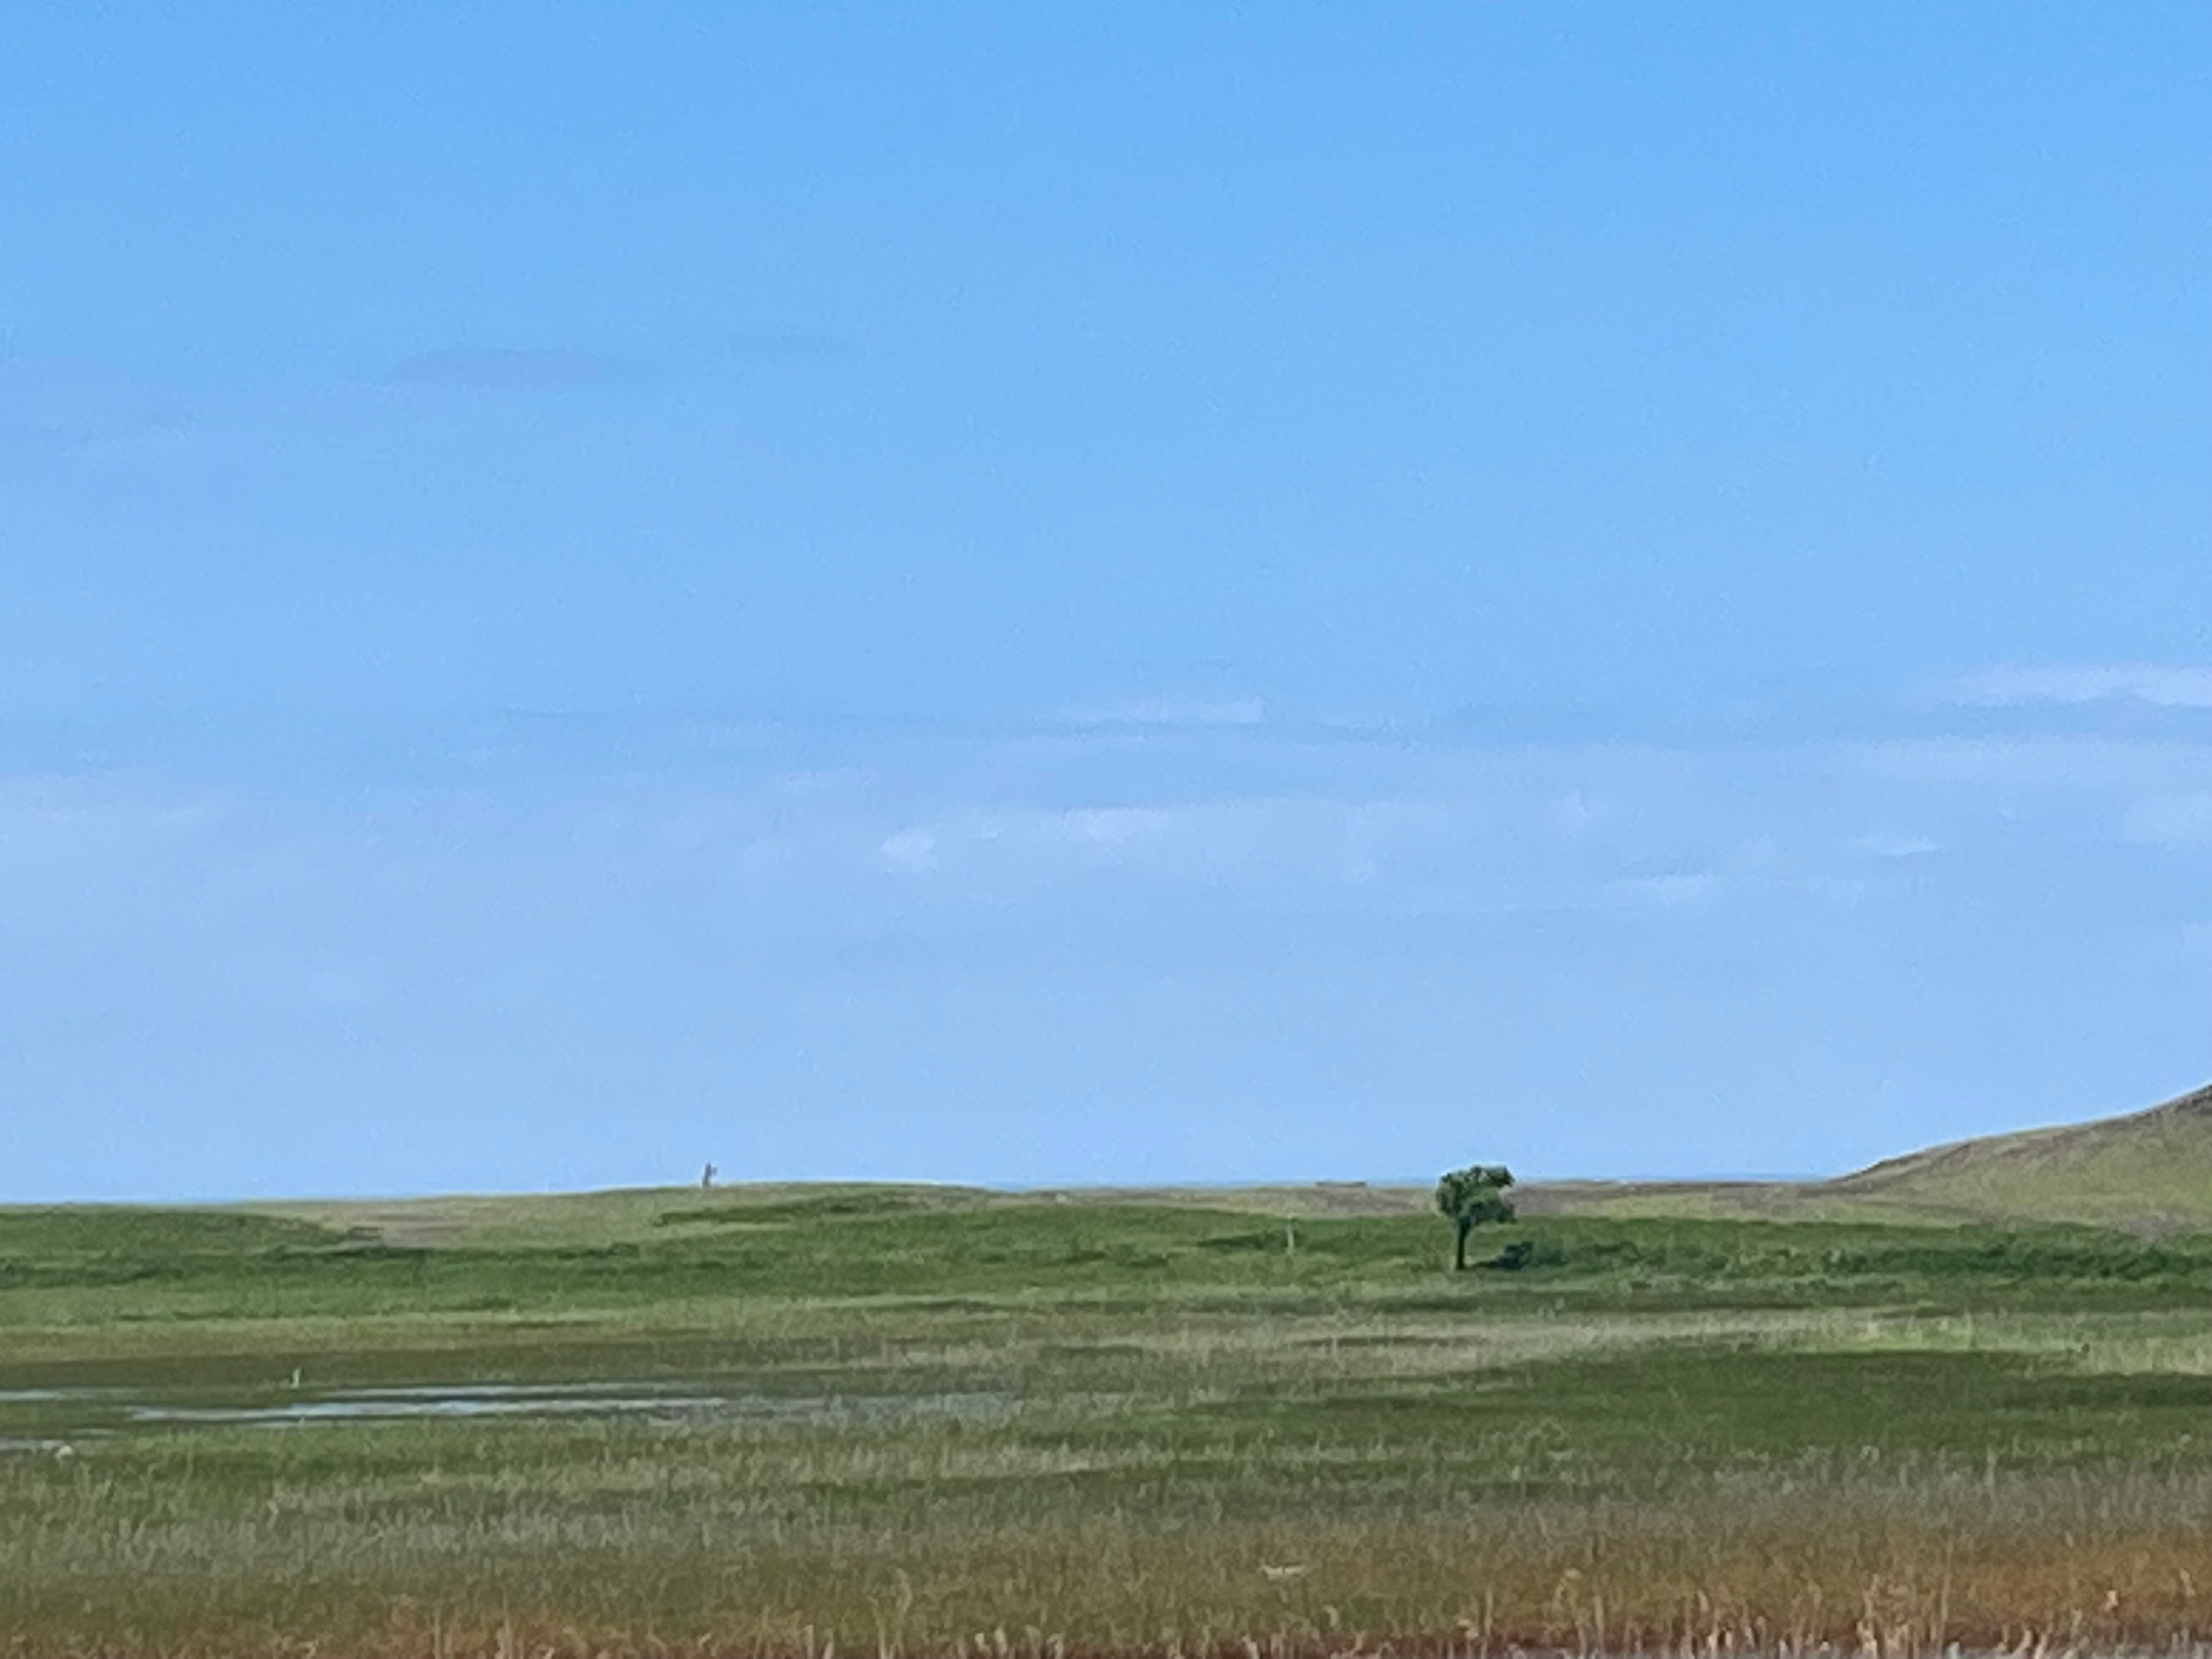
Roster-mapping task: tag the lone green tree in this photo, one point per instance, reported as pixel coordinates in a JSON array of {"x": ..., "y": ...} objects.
[{"x": 1470, "y": 1197}]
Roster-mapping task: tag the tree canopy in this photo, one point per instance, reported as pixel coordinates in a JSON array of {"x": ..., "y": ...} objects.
[{"x": 1469, "y": 1198}]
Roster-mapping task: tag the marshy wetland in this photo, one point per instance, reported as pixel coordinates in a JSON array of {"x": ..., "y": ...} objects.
[{"x": 934, "y": 1420}]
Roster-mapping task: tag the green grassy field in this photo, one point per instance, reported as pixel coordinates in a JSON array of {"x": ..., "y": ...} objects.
[{"x": 920, "y": 1419}]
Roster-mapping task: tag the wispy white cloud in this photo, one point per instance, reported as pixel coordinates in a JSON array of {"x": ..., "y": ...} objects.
[
  {"x": 1173, "y": 711},
  {"x": 1117, "y": 826},
  {"x": 1893, "y": 846},
  {"x": 2163, "y": 686},
  {"x": 2064, "y": 763},
  {"x": 1666, "y": 891},
  {"x": 910, "y": 850},
  {"x": 849, "y": 926}
]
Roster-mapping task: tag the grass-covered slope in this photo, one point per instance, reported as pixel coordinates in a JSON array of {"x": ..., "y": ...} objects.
[
  {"x": 633, "y": 1215},
  {"x": 2147, "y": 1172}
]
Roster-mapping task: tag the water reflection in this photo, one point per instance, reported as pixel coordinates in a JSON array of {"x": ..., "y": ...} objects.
[{"x": 46, "y": 1419}]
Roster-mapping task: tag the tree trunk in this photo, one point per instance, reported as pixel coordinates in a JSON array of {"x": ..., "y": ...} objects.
[{"x": 1459, "y": 1245}]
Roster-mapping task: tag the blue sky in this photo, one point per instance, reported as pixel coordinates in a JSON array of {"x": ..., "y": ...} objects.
[{"x": 1182, "y": 592}]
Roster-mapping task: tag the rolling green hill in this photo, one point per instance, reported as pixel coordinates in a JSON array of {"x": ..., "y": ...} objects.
[
  {"x": 2146, "y": 1172},
  {"x": 635, "y": 1214},
  {"x": 2149, "y": 1171}
]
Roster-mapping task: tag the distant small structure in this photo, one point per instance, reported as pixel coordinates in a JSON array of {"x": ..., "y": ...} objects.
[{"x": 707, "y": 1177}]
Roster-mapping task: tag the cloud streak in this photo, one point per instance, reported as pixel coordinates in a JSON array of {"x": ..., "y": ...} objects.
[
  {"x": 1172, "y": 712},
  {"x": 2164, "y": 686},
  {"x": 502, "y": 368},
  {"x": 793, "y": 947}
]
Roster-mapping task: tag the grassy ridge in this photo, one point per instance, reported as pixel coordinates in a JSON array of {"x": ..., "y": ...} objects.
[
  {"x": 2147, "y": 1172},
  {"x": 928, "y": 1419}
]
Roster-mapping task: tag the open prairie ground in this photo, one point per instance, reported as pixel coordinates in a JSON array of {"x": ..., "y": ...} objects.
[{"x": 917, "y": 1421}]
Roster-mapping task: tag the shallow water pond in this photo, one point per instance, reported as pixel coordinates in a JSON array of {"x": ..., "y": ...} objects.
[{"x": 48, "y": 1419}]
